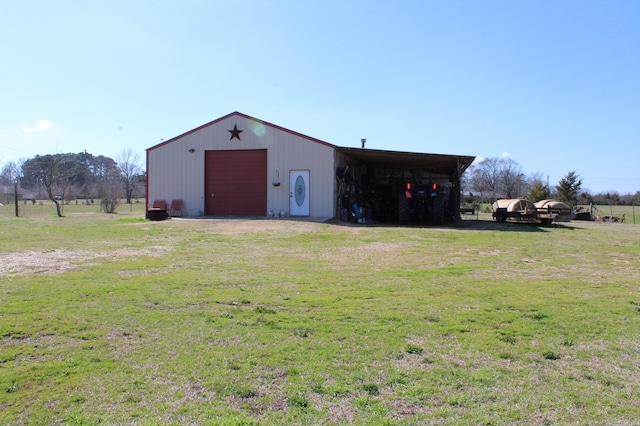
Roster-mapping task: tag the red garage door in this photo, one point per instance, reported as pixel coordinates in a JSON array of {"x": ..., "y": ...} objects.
[{"x": 236, "y": 182}]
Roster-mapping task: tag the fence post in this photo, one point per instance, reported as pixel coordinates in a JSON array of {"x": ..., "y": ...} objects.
[{"x": 15, "y": 196}]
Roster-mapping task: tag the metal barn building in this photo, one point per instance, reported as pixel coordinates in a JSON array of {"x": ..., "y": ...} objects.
[{"x": 239, "y": 165}]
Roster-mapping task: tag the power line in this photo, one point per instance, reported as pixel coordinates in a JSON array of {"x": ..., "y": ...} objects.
[{"x": 19, "y": 150}]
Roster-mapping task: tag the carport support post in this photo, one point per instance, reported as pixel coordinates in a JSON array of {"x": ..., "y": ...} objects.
[{"x": 456, "y": 193}]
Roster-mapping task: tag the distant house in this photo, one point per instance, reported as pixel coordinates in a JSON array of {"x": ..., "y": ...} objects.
[
  {"x": 240, "y": 165},
  {"x": 7, "y": 193}
]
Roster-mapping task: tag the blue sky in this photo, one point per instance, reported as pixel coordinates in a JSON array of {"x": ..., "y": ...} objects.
[{"x": 554, "y": 85}]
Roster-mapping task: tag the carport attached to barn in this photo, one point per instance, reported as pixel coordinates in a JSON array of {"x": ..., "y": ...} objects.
[{"x": 377, "y": 175}]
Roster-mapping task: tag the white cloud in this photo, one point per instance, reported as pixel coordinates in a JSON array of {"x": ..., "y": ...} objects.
[
  {"x": 39, "y": 127},
  {"x": 505, "y": 155}
]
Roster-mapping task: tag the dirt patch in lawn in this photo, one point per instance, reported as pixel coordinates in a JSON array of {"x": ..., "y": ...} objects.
[
  {"x": 61, "y": 261},
  {"x": 31, "y": 262}
]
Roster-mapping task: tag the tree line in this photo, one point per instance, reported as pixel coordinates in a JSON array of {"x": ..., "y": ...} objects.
[
  {"x": 65, "y": 177},
  {"x": 495, "y": 178}
]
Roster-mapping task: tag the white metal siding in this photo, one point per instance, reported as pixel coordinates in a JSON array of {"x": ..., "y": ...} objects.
[{"x": 174, "y": 172}]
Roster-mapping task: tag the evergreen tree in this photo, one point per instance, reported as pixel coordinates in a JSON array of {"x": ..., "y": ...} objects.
[
  {"x": 538, "y": 191},
  {"x": 569, "y": 188}
]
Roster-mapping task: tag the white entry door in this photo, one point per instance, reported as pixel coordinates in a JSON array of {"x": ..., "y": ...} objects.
[{"x": 299, "y": 192}]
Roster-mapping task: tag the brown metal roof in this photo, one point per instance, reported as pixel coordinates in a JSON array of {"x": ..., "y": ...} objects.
[{"x": 439, "y": 163}]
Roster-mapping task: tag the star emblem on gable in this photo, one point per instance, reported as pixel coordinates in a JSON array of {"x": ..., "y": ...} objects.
[{"x": 235, "y": 133}]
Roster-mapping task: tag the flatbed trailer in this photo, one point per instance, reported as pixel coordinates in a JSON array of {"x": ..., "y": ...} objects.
[
  {"x": 501, "y": 215},
  {"x": 547, "y": 218},
  {"x": 469, "y": 209},
  {"x": 522, "y": 211}
]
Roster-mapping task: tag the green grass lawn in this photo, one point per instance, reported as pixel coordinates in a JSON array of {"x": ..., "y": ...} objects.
[{"x": 112, "y": 319}]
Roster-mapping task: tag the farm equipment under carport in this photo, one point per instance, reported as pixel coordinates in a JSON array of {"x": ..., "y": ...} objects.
[
  {"x": 377, "y": 180},
  {"x": 421, "y": 204},
  {"x": 413, "y": 203},
  {"x": 386, "y": 195},
  {"x": 521, "y": 210}
]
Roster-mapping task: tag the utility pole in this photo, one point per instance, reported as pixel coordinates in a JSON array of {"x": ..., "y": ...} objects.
[
  {"x": 548, "y": 189},
  {"x": 86, "y": 183}
]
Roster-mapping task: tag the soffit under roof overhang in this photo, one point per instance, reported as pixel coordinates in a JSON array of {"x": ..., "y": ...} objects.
[{"x": 437, "y": 163}]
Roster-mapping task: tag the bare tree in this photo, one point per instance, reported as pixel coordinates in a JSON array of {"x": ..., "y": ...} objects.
[
  {"x": 512, "y": 182},
  {"x": 110, "y": 190},
  {"x": 486, "y": 177},
  {"x": 109, "y": 184},
  {"x": 10, "y": 173},
  {"x": 466, "y": 181},
  {"x": 499, "y": 178},
  {"x": 53, "y": 172},
  {"x": 129, "y": 164},
  {"x": 9, "y": 177}
]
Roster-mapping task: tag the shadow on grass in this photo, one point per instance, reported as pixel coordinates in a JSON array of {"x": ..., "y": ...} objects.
[
  {"x": 485, "y": 225},
  {"x": 471, "y": 224},
  {"x": 475, "y": 225}
]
